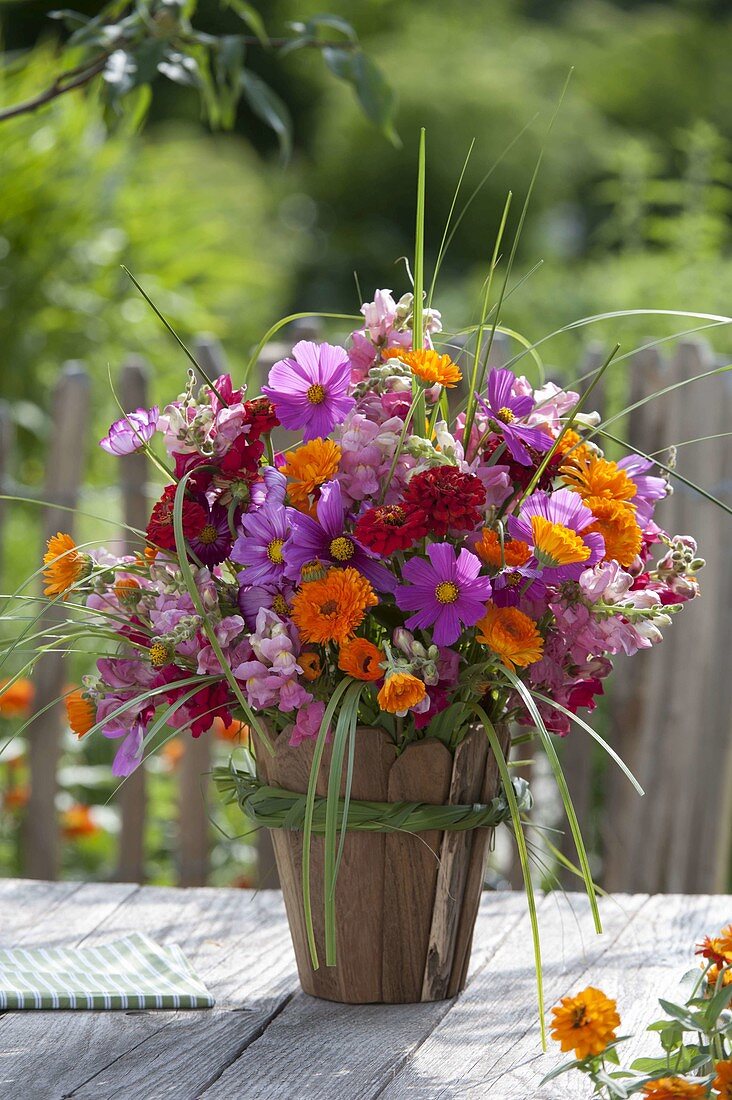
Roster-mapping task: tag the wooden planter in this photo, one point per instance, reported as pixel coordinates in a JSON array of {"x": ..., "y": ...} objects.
[{"x": 406, "y": 904}]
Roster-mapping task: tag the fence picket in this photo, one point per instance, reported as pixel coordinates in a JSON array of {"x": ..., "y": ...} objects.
[{"x": 64, "y": 471}]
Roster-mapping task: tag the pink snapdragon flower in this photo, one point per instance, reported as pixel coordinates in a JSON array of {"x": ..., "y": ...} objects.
[{"x": 131, "y": 432}]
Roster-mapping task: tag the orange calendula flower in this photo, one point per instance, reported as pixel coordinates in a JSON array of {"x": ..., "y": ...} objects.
[
  {"x": 16, "y": 699},
  {"x": 307, "y": 468},
  {"x": 80, "y": 712},
  {"x": 235, "y": 731},
  {"x": 488, "y": 549},
  {"x": 361, "y": 659},
  {"x": 311, "y": 665},
  {"x": 333, "y": 608},
  {"x": 674, "y": 1088},
  {"x": 65, "y": 565},
  {"x": 399, "y": 692},
  {"x": 592, "y": 476},
  {"x": 585, "y": 1023},
  {"x": 555, "y": 544},
  {"x": 723, "y": 1081},
  {"x": 512, "y": 635},
  {"x": 616, "y": 522},
  {"x": 428, "y": 365},
  {"x": 78, "y": 822},
  {"x": 127, "y": 589}
]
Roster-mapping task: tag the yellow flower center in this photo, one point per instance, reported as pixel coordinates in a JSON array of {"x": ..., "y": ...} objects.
[
  {"x": 342, "y": 549},
  {"x": 447, "y": 592},
  {"x": 208, "y": 534},
  {"x": 505, "y": 415},
  {"x": 160, "y": 655},
  {"x": 555, "y": 544},
  {"x": 274, "y": 551},
  {"x": 316, "y": 394},
  {"x": 280, "y": 605}
]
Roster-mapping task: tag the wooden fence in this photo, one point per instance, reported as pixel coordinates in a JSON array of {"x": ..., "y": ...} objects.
[{"x": 670, "y": 708}]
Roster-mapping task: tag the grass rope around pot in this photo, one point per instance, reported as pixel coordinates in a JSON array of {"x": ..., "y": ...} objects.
[{"x": 277, "y": 808}]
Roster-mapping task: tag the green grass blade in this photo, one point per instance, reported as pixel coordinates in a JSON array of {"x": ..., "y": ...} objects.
[
  {"x": 443, "y": 242},
  {"x": 523, "y": 859},
  {"x": 275, "y": 328}
]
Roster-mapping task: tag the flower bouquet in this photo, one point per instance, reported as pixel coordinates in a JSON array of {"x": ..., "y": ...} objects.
[{"x": 382, "y": 562}]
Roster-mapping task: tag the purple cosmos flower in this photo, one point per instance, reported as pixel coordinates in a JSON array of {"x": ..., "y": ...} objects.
[
  {"x": 131, "y": 432},
  {"x": 505, "y": 409},
  {"x": 511, "y": 586},
  {"x": 649, "y": 487},
  {"x": 260, "y": 548},
  {"x": 555, "y": 526},
  {"x": 274, "y": 597},
  {"x": 327, "y": 541},
  {"x": 446, "y": 592},
  {"x": 213, "y": 541},
  {"x": 310, "y": 390}
]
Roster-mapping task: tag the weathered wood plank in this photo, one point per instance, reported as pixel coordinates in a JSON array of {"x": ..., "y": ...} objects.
[
  {"x": 236, "y": 941},
  {"x": 319, "y": 1050},
  {"x": 472, "y": 1048}
]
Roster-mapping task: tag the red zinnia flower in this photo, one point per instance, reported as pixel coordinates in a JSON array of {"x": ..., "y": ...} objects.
[
  {"x": 160, "y": 528},
  {"x": 521, "y": 475},
  {"x": 262, "y": 416},
  {"x": 447, "y": 499},
  {"x": 390, "y": 527}
]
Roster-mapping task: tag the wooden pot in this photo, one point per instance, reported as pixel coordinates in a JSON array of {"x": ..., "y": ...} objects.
[{"x": 406, "y": 904}]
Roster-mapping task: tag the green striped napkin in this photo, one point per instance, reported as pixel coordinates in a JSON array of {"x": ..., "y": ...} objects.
[{"x": 129, "y": 973}]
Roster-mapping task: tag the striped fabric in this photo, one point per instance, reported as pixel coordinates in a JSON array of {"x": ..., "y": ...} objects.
[{"x": 129, "y": 973}]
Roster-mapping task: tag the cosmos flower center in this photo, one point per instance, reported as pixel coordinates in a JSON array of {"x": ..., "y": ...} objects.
[
  {"x": 274, "y": 551},
  {"x": 316, "y": 394},
  {"x": 506, "y": 415},
  {"x": 447, "y": 592},
  {"x": 341, "y": 548},
  {"x": 280, "y": 605},
  {"x": 208, "y": 534},
  {"x": 159, "y": 654},
  {"x": 555, "y": 544},
  {"x": 513, "y": 580}
]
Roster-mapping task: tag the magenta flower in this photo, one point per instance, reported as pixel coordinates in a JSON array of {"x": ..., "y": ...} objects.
[
  {"x": 649, "y": 488},
  {"x": 555, "y": 526},
  {"x": 261, "y": 547},
  {"x": 213, "y": 540},
  {"x": 328, "y": 541},
  {"x": 131, "y": 432},
  {"x": 310, "y": 389},
  {"x": 446, "y": 593},
  {"x": 505, "y": 410}
]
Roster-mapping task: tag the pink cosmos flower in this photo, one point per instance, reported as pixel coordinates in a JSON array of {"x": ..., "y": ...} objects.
[
  {"x": 131, "y": 432},
  {"x": 310, "y": 390},
  {"x": 507, "y": 411},
  {"x": 446, "y": 593}
]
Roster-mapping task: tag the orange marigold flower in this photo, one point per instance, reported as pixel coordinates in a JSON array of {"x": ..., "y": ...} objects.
[
  {"x": 80, "y": 712},
  {"x": 65, "y": 565},
  {"x": 361, "y": 659},
  {"x": 616, "y": 522},
  {"x": 723, "y": 943},
  {"x": 311, "y": 665},
  {"x": 572, "y": 444},
  {"x": 674, "y": 1088},
  {"x": 488, "y": 549},
  {"x": 400, "y": 691},
  {"x": 235, "y": 731},
  {"x": 592, "y": 476},
  {"x": 428, "y": 365},
  {"x": 126, "y": 589},
  {"x": 307, "y": 468},
  {"x": 77, "y": 822},
  {"x": 585, "y": 1023},
  {"x": 16, "y": 798},
  {"x": 332, "y": 609},
  {"x": 723, "y": 1081},
  {"x": 16, "y": 699},
  {"x": 511, "y": 634}
]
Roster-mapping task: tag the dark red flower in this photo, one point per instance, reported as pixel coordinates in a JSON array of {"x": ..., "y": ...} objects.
[
  {"x": 212, "y": 701},
  {"x": 583, "y": 694},
  {"x": 242, "y": 456},
  {"x": 160, "y": 528},
  {"x": 390, "y": 527},
  {"x": 448, "y": 499},
  {"x": 521, "y": 475},
  {"x": 201, "y": 478},
  {"x": 262, "y": 416}
]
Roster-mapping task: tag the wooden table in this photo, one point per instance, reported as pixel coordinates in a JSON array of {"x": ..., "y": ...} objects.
[{"x": 266, "y": 1039}]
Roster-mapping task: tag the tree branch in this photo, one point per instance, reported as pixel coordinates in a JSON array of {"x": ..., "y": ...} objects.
[{"x": 66, "y": 82}]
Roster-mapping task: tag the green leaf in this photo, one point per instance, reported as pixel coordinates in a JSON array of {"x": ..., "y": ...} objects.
[
  {"x": 691, "y": 1021},
  {"x": 331, "y": 22},
  {"x": 376, "y": 96},
  {"x": 268, "y": 106},
  {"x": 249, "y": 15}
]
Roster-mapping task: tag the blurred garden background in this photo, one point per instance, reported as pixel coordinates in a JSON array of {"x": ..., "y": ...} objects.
[{"x": 633, "y": 210}]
